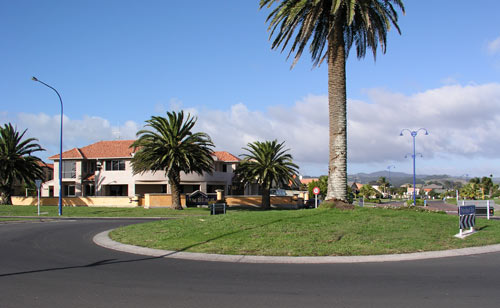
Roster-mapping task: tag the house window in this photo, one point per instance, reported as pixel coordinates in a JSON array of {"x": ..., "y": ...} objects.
[
  {"x": 224, "y": 168},
  {"x": 117, "y": 190},
  {"x": 69, "y": 169},
  {"x": 69, "y": 190},
  {"x": 115, "y": 165},
  {"x": 89, "y": 167}
]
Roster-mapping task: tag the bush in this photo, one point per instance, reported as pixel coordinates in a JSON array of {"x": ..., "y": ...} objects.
[
  {"x": 496, "y": 195},
  {"x": 420, "y": 202}
]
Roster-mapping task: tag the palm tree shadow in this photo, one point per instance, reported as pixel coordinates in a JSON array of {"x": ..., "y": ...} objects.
[
  {"x": 106, "y": 262},
  {"x": 94, "y": 264}
]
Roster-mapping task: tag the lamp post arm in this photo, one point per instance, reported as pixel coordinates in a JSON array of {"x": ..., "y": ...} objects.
[
  {"x": 425, "y": 130},
  {"x": 404, "y": 129}
]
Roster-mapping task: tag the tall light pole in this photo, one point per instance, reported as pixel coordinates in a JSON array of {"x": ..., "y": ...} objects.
[
  {"x": 389, "y": 169},
  {"x": 60, "y": 143},
  {"x": 414, "y": 134}
]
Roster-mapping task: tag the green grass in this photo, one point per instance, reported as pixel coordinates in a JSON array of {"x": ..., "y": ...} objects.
[
  {"x": 52, "y": 211},
  {"x": 318, "y": 232}
]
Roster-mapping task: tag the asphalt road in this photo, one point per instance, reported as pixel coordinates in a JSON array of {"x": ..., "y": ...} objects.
[{"x": 56, "y": 264}]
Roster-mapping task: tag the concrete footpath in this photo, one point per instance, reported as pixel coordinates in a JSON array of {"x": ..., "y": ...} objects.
[{"x": 102, "y": 239}]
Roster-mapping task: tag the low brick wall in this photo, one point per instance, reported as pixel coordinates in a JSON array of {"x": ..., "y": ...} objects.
[
  {"x": 257, "y": 200},
  {"x": 160, "y": 200},
  {"x": 79, "y": 201},
  {"x": 149, "y": 200}
]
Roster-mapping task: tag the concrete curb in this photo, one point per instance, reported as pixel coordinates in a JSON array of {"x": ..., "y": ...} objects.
[{"x": 102, "y": 239}]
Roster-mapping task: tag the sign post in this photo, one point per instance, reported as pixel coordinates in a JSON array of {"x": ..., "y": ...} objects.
[
  {"x": 316, "y": 193},
  {"x": 467, "y": 219},
  {"x": 38, "y": 183}
]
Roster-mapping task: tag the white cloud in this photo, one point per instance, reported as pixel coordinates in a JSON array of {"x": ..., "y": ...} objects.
[
  {"x": 494, "y": 46},
  {"x": 76, "y": 132},
  {"x": 462, "y": 121},
  {"x": 463, "y": 124}
]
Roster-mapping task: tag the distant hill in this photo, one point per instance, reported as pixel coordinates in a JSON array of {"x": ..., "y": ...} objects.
[{"x": 400, "y": 178}]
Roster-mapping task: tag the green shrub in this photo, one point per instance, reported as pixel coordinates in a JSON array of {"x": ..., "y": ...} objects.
[{"x": 420, "y": 202}]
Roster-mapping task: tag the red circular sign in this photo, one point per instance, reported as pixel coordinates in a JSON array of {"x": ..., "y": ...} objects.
[{"x": 316, "y": 190}]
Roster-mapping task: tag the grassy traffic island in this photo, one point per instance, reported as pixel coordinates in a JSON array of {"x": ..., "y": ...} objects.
[{"x": 317, "y": 232}]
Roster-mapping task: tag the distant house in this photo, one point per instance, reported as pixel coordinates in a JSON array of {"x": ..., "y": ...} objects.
[
  {"x": 306, "y": 181},
  {"x": 104, "y": 169},
  {"x": 409, "y": 191},
  {"x": 356, "y": 187}
]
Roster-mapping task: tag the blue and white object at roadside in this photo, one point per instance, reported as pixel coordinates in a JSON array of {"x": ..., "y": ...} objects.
[
  {"x": 38, "y": 184},
  {"x": 467, "y": 220},
  {"x": 361, "y": 201}
]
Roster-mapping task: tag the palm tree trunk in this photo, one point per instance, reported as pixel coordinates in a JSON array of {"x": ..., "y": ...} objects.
[
  {"x": 337, "y": 164},
  {"x": 266, "y": 198},
  {"x": 176, "y": 191}
]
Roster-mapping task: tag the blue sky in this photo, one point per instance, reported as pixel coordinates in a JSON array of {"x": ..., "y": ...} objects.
[{"x": 117, "y": 63}]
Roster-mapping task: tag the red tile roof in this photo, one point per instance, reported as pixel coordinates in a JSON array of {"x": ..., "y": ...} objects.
[
  {"x": 308, "y": 180},
  {"x": 226, "y": 156},
  {"x": 101, "y": 149},
  {"x": 120, "y": 149},
  {"x": 43, "y": 164}
]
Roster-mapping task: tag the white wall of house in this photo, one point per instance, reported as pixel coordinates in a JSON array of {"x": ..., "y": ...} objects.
[{"x": 106, "y": 178}]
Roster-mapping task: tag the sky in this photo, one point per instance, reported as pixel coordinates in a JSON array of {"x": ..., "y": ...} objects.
[{"x": 117, "y": 63}]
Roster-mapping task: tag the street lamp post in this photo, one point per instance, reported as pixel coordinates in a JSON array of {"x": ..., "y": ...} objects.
[
  {"x": 60, "y": 143},
  {"x": 414, "y": 134},
  {"x": 389, "y": 169}
]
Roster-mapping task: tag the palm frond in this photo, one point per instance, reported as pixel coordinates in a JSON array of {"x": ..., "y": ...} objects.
[
  {"x": 266, "y": 163},
  {"x": 296, "y": 23}
]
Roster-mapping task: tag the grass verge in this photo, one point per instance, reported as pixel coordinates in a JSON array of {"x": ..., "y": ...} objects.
[
  {"x": 52, "y": 211},
  {"x": 318, "y": 232}
]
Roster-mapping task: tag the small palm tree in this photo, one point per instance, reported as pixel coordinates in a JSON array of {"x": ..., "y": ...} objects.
[
  {"x": 172, "y": 147},
  {"x": 331, "y": 27},
  {"x": 16, "y": 161},
  {"x": 383, "y": 184},
  {"x": 266, "y": 164}
]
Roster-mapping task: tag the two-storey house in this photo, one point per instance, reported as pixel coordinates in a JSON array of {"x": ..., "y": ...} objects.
[{"x": 104, "y": 169}]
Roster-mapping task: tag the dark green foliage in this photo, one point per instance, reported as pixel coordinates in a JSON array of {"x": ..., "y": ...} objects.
[
  {"x": 269, "y": 165},
  {"x": 420, "y": 202},
  {"x": 171, "y": 147},
  {"x": 322, "y": 184},
  {"x": 350, "y": 195},
  {"x": 17, "y": 162}
]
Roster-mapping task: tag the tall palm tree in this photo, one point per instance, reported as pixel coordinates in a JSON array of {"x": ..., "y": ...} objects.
[
  {"x": 266, "y": 163},
  {"x": 172, "y": 147},
  {"x": 16, "y": 161},
  {"x": 336, "y": 25}
]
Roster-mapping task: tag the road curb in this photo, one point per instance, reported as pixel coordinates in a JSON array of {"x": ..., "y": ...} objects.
[{"x": 102, "y": 239}]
